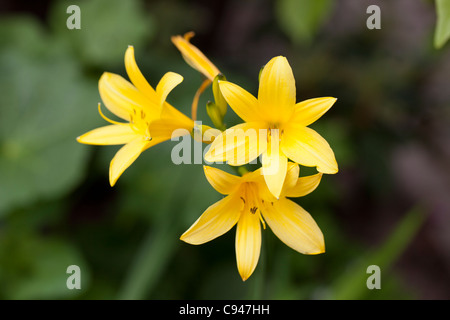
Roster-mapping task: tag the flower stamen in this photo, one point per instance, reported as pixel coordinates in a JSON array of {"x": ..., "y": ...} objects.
[{"x": 105, "y": 117}]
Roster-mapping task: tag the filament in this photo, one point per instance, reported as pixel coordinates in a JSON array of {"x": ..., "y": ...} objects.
[{"x": 105, "y": 117}]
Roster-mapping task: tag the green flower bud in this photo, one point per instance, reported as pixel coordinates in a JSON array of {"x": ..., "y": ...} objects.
[
  {"x": 220, "y": 101},
  {"x": 215, "y": 115}
]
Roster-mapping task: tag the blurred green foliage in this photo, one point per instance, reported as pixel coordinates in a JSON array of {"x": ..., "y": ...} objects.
[
  {"x": 352, "y": 284},
  {"x": 56, "y": 206},
  {"x": 108, "y": 26},
  {"x": 443, "y": 23},
  {"x": 301, "y": 19},
  {"x": 42, "y": 91}
]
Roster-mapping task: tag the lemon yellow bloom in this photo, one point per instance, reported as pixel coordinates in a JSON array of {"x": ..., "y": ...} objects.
[
  {"x": 197, "y": 60},
  {"x": 194, "y": 57},
  {"x": 139, "y": 105},
  {"x": 248, "y": 204},
  {"x": 282, "y": 122}
]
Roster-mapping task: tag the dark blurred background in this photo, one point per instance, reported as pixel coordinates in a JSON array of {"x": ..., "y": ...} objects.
[{"x": 389, "y": 205}]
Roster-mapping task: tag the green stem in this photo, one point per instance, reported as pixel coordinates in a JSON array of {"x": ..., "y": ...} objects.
[
  {"x": 149, "y": 263},
  {"x": 155, "y": 252}
]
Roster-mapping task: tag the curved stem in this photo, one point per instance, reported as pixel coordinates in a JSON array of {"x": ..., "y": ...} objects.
[{"x": 200, "y": 90}]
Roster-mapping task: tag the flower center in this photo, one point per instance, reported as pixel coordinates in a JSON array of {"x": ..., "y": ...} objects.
[
  {"x": 250, "y": 197},
  {"x": 274, "y": 137},
  {"x": 140, "y": 124}
]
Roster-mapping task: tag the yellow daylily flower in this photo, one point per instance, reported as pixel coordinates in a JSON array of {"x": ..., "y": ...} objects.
[
  {"x": 281, "y": 127},
  {"x": 140, "y": 106},
  {"x": 194, "y": 57},
  {"x": 248, "y": 204},
  {"x": 197, "y": 60}
]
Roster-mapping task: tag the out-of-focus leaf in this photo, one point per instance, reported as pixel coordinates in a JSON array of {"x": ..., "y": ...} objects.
[
  {"x": 301, "y": 19},
  {"x": 107, "y": 28},
  {"x": 43, "y": 109},
  {"x": 162, "y": 242},
  {"x": 149, "y": 264},
  {"x": 23, "y": 32},
  {"x": 352, "y": 284},
  {"x": 36, "y": 268},
  {"x": 442, "y": 33}
]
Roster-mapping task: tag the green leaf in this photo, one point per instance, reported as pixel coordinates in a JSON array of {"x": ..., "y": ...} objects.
[
  {"x": 108, "y": 27},
  {"x": 301, "y": 19},
  {"x": 352, "y": 284},
  {"x": 34, "y": 267},
  {"x": 24, "y": 33},
  {"x": 442, "y": 33},
  {"x": 176, "y": 203},
  {"x": 46, "y": 103}
]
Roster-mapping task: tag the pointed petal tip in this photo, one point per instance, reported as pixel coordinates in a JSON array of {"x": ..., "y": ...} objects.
[
  {"x": 129, "y": 51},
  {"x": 188, "y": 35},
  {"x": 186, "y": 240},
  {"x": 276, "y": 194},
  {"x": 112, "y": 179},
  {"x": 206, "y": 169},
  {"x": 279, "y": 58},
  {"x": 320, "y": 248},
  {"x": 330, "y": 170},
  {"x": 80, "y": 139},
  {"x": 319, "y": 251},
  {"x": 105, "y": 76},
  {"x": 244, "y": 278},
  {"x": 208, "y": 157},
  {"x": 222, "y": 82}
]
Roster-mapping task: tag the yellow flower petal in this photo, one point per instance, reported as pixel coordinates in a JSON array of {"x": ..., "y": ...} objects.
[
  {"x": 194, "y": 57},
  {"x": 274, "y": 168},
  {"x": 222, "y": 181},
  {"x": 276, "y": 93},
  {"x": 136, "y": 76},
  {"x": 167, "y": 130},
  {"x": 120, "y": 96},
  {"x": 127, "y": 155},
  {"x": 238, "y": 145},
  {"x": 209, "y": 134},
  {"x": 214, "y": 222},
  {"x": 169, "y": 81},
  {"x": 294, "y": 226},
  {"x": 308, "y": 111},
  {"x": 304, "y": 186},
  {"x": 171, "y": 114},
  {"x": 241, "y": 101},
  {"x": 172, "y": 123},
  {"x": 306, "y": 147},
  {"x": 293, "y": 170},
  {"x": 248, "y": 243},
  {"x": 109, "y": 135}
]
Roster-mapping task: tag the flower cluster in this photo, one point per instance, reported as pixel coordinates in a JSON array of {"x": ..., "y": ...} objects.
[{"x": 275, "y": 131}]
